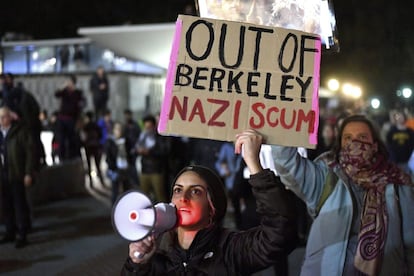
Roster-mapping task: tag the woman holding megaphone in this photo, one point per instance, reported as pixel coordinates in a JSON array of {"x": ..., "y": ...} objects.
[{"x": 199, "y": 245}]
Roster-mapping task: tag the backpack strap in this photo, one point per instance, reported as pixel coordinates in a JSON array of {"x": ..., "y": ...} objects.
[{"x": 329, "y": 186}]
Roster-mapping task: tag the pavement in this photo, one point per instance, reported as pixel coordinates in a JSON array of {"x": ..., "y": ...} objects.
[{"x": 74, "y": 236}]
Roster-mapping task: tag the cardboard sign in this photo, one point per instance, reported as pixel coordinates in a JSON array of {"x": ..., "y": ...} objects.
[{"x": 225, "y": 77}]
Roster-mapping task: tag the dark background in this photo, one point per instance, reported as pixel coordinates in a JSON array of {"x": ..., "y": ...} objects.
[{"x": 376, "y": 37}]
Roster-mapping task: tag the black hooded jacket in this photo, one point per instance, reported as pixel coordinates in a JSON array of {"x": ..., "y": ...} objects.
[{"x": 219, "y": 251}]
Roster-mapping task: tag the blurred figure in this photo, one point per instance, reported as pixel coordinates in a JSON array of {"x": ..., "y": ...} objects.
[
  {"x": 44, "y": 120},
  {"x": 53, "y": 124},
  {"x": 116, "y": 158},
  {"x": 106, "y": 125},
  {"x": 24, "y": 106},
  {"x": 16, "y": 173},
  {"x": 228, "y": 165},
  {"x": 326, "y": 137},
  {"x": 99, "y": 86},
  {"x": 205, "y": 152},
  {"x": 79, "y": 57},
  {"x": 151, "y": 148},
  {"x": 91, "y": 140},
  {"x": 131, "y": 132},
  {"x": 400, "y": 141},
  {"x": 71, "y": 104}
]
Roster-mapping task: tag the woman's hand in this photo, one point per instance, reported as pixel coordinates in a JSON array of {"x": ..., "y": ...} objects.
[
  {"x": 141, "y": 251},
  {"x": 250, "y": 141}
]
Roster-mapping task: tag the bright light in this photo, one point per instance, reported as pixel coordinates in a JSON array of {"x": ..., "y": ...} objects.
[
  {"x": 333, "y": 84},
  {"x": 351, "y": 91},
  {"x": 108, "y": 55},
  {"x": 406, "y": 93},
  {"x": 35, "y": 55},
  {"x": 347, "y": 89},
  {"x": 375, "y": 103}
]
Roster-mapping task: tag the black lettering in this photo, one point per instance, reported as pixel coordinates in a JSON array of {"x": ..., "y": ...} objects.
[
  {"x": 282, "y": 53},
  {"x": 303, "y": 49},
  {"x": 267, "y": 88},
  {"x": 182, "y": 78},
  {"x": 234, "y": 81},
  {"x": 251, "y": 82},
  {"x": 304, "y": 86},
  {"x": 217, "y": 75},
  {"x": 259, "y": 32},
  {"x": 198, "y": 77},
  {"x": 222, "y": 47},
  {"x": 189, "y": 35},
  {"x": 284, "y": 86}
]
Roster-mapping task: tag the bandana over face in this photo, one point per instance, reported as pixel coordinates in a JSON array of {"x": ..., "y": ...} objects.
[{"x": 370, "y": 170}]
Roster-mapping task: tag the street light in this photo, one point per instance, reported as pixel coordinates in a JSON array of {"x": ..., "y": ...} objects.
[
  {"x": 375, "y": 103},
  {"x": 351, "y": 90},
  {"x": 333, "y": 84},
  {"x": 407, "y": 92}
]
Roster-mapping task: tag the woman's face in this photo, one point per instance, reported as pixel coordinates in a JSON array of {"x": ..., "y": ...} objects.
[
  {"x": 190, "y": 198},
  {"x": 356, "y": 131}
]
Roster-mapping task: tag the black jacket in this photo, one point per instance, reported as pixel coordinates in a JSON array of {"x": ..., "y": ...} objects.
[
  {"x": 19, "y": 149},
  {"x": 219, "y": 251}
]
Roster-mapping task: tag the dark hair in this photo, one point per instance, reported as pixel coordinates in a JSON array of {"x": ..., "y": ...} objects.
[
  {"x": 215, "y": 188},
  {"x": 10, "y": 75},
  {"x": 149, "y": 118},
  {"x": 382, "y": 149},
  {"x": 90, "y": 115},
  {"x": 72, "y": 77}
]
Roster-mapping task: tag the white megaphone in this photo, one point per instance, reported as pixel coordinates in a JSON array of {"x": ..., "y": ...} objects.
[{"x": 134, "y": 217}]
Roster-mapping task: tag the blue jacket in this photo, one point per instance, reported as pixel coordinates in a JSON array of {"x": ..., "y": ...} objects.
[{"x": 328, "y": 237}]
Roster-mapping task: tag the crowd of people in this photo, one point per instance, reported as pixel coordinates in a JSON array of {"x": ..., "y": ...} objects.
[{"x": 350, "y": 200}]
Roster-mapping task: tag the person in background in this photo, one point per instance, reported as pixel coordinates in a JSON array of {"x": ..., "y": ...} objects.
[
  {"x": 363, "y": 205},
  {"x": 151, "y": 147},
  {"x": 91, "y": 140},
  {"x": 24, "y": 106},
  {"x": 106, "y": 125},
  {"x": 99, "y": 86},
  {"x": 131, "y": 131},
  {"x": 44, "y": 120},
  {"x": 400, "y": 141},
  {"x": 199, "y": 245},
  {"x": 71, "y": 104},
  {"x": 229, "y": 165},
  {"x": 17, "y": 163},
  {"x": 117, "y": 161}
]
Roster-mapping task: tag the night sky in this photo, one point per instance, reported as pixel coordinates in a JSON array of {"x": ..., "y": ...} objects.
[{"x": 376, "y": 37}]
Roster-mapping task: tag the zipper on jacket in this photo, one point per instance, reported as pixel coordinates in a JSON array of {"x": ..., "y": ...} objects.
[{"x": 185, "y": 266}]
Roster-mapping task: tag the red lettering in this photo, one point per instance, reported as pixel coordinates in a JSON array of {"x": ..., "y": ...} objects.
[
  {"x": 309, "y": 118},
  {"x": 273, "y": 109},
  {"x": 283, "y": 119},
  {"x": 181, "y": 109},
  {"x": 219, "y": 111},
  {"x": 236, "y": 114},
  {"x": 255, "y": 109},
  {"x": 199, "y": 111}
]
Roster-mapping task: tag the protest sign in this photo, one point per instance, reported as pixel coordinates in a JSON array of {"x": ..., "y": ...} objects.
[{"x": 225, "y": 77}]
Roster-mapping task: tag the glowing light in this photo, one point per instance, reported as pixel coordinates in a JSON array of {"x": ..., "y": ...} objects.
[
  {"x": 333, "y": 84},
  {"x": 407, "y": 92},
  {"x": 375, "y": 103}
]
